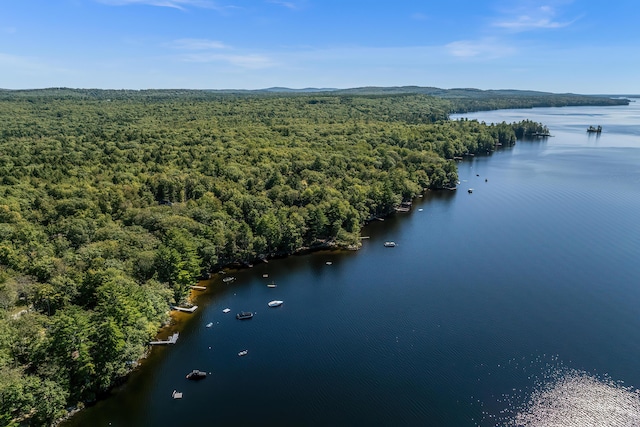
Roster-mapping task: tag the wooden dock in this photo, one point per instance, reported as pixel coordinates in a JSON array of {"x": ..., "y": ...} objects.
[
  {"x": 199, "y": 288},
  {"x": 185, "y": 309},
  {"x": 171, "y": 340}
]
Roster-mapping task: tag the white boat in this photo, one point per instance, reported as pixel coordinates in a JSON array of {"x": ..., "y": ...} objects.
[
  {"x": 243, "y": 353},
  {"x": 275, "y": 303},
  {"x": 210, "y": 324},
  {"x": 228, "y": 279},
  {"x": 176, "y": 394},
  {"x": 226, "y": 310},
  {"x": 389, "y": 244}
]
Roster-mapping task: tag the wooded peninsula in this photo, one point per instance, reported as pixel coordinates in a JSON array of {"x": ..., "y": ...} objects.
[{"x": 114, "y": 202}]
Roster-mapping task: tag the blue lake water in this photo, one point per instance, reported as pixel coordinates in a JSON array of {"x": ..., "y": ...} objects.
[{"x": 488, "y": 299}]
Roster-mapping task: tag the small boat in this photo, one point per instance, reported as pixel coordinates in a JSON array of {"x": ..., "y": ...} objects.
[
  {"x": 420, "y": 210},
  {"x": 176, "y": 394},
  {"x": 210, "y": 324},
  {"x": 272, "y": 285},
  {"x": 592, "y": 129},
  {"x": 328, "y": 263},
  {"x": 243, "y": 315},
  {"x": 196, "y": 375},
  {"x": 226, "y": 310},
  {"x": 228, "y": 279},
  {"x": 470, "y": 190},
  {"x": 265, "y": 275},
  {"x": 275, "y": 303},
  {"x": 243, "y": 353},
  {"x": 389, "y": 244}
]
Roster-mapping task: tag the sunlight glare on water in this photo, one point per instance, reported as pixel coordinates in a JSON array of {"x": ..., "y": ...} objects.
[{"x": 577, "y": 399}]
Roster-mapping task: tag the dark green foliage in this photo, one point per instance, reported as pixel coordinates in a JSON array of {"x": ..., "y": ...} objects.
[{"x": 112, "y": 203}]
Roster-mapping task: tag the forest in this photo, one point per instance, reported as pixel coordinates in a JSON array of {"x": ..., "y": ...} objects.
[{"x": 113, "y": 203}]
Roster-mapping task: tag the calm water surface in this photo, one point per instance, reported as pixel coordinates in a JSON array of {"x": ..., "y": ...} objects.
[{"x": 486, "y": 300}]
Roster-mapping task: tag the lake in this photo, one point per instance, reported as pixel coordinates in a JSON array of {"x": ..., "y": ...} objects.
[{"x": 516, "y": 304}]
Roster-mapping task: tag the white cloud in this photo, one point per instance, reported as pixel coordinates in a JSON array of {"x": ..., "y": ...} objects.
[
  {"x": 197, "y": 44},
  {"x": 176, "y": 4},
  {"x": 418, "y": 16},
  {"x": 250, "y": 61},
  {"x": 287, "y": 4},
  {"x": 525, "y": 19},
  {"x": 488, "y": 48}
]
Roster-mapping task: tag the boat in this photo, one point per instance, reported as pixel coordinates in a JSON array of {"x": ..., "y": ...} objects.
[
  {"x": 176, "y": 394},
  {"x": 470, "y": 190},
  {"x": 243, "y": 315},
  {"x": 389, "y": 244},
  {"x": 265, "y": 275},
  {"x": 275, "y": 303},
  {"x": 272, "y": 285},
  {"x": 210, "y": 324},
  {"x": 328, "y": 263},
  {"x": 243, "y": 353},
  {"x": 592, "y": 129},
  {"x": 228, "y": 279},
  {"x": 226, "y": 310},
  {"x": 196, "y": 375}
]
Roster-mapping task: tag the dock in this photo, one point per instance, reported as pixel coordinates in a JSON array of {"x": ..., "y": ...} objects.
[
  {"x": 186, "y": 310},
  {"x": 199, "y": 288},
  {"x": 171, "y": 340}
]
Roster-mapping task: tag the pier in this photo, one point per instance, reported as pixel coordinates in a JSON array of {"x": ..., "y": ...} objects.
[
  {"x": 199, "y": 288},
  {"x": 171, "y": 340}
]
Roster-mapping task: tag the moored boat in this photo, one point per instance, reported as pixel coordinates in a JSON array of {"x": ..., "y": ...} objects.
[
  {"x": 196, "y": 375},
  {"x": 275, "y": 303},
  {"x": 389, "y": 244},
  {"x": 243, "y": 353},
  {"x": 243, "y": 315},
  {"x": 272, "y": 285}
]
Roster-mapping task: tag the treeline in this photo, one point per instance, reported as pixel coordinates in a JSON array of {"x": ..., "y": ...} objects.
[{"x": 112, "y": 206}]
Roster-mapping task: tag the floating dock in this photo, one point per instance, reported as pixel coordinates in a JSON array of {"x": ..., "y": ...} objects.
[
  {"x": 186, "y": 310},
  {"x": 199, "y": 288},
  {"x": 171, "y": 340}
]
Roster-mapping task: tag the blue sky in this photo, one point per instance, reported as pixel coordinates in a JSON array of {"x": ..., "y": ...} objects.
[{"x": 579, "y": 46}]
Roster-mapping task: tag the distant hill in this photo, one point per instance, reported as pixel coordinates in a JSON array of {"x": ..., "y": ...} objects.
[{"x": 461, "y": 99}]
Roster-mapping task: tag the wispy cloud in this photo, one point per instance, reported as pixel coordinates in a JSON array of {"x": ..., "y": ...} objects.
[
  {"x": 197, "y": 44},
  {"x": 176, "y": 4},
  {"x": 542, "y": 17},
  {"x": 29, "y": 65},
  {"x": 488, "y": 48},
  {"x": 250, "y": 61},
  {"x": 418, "y": 16},
  {"x": 208, "y": 51},
  {"x": 287, "y": 4}
]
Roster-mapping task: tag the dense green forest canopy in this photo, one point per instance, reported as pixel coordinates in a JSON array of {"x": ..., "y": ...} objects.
[{"x": 112, "y": 203}]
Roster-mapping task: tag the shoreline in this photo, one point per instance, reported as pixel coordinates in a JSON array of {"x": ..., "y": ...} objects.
[{"x": 178, "y": 320}]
